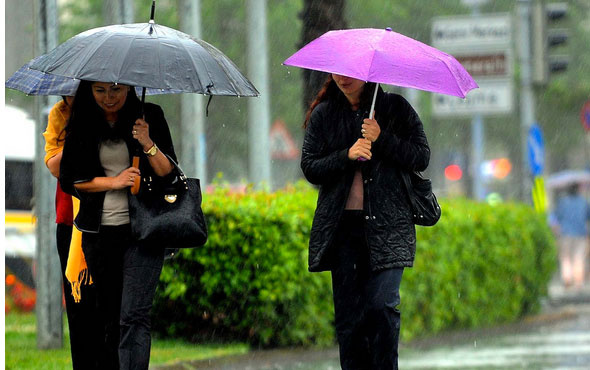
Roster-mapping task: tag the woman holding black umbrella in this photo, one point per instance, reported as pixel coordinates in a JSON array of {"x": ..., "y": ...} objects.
[
  {"x": 362, "y": 229},
  {"x": 103, "y": 133}
]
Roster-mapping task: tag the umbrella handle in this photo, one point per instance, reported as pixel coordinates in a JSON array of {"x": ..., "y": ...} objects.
[
  {"x": 372, "y": 111},
  {"x": 137, "y": 180},
  {"x": 371, "y": 114}
]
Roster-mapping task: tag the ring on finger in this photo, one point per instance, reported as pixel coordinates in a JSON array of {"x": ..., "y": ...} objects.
[
  {"x": 134, "y": 132},
  {"x": 363, "y": 131}
]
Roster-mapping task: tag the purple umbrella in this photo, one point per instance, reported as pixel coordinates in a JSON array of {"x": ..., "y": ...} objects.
[{"x": 384, "y": 56}]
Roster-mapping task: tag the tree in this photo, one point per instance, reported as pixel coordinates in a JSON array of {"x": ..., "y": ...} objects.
[{"x": 318, "y": 17}]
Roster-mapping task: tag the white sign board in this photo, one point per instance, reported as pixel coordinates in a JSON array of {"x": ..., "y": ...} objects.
[
  {"x": 492, "y": 97},
  {"x": 452, "y": 34},
  {"x": 482, "y": 44}
]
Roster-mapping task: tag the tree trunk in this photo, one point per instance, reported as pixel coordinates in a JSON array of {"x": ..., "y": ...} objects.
[{"x": 318, "y": 18}]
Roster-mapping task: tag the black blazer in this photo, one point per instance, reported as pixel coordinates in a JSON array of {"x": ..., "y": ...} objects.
[
  {"x": 333, "y": 128},
  {"x": 81, "y": 163}
]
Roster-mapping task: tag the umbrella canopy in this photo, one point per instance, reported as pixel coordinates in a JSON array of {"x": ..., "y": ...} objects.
[
  {"x": 566, "y": 178},
  {"x": 147, "y": 55},
  {"x": 33, "y": 82},
  {"x": 384, "y": 56}
]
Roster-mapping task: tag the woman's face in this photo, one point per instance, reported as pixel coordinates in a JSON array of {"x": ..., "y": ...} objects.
[
  {"x": 351, "y": 87},
  {"x": 110, "y": 97}
]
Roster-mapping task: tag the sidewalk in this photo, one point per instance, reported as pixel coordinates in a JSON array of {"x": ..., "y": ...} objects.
[{"x": 561, "y": 306}]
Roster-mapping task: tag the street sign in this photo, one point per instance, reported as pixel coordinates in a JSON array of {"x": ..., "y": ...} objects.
[
  {"x": 491, "y": 64},
  {"x": 482, "y": 44},
  {"x": 282, "y": 145},
  {"x": 536, "y": 149},
  {"x": 471, "y": 32},
  {"x": 585, "y": 116},
  {"x": 492, "y": 97}
]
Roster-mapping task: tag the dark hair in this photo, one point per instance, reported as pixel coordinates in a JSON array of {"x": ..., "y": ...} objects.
[
  {"x": 331, "y": 91},
  {"x": 88, "y": 119}
]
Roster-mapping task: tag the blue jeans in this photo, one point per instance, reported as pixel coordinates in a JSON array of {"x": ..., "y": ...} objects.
[
  {"x": 365, "y": 302},
  {"x": 126, "y": 275}
]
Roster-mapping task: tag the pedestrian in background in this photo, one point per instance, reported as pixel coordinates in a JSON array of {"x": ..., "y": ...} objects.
[
  {"x": 104, "y": 131},
  {"x": 362, "y": 229},
  {"x": 572, "y": 214},
  {"x": 85, "y": 333}
]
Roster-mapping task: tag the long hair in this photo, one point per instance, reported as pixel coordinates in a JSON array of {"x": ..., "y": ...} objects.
[
  {"x": 330, "y": 91},
  {"x": 88, "y": 120}
]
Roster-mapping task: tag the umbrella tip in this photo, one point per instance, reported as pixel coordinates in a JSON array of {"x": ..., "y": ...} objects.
[{"x": 388, "y": 29}]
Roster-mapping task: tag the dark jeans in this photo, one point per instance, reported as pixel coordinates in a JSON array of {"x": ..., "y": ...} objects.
[
  {"x": 126, "y": 275},
  {"x": 365, "y": 302},
  {"x": 85, "y": 333}
]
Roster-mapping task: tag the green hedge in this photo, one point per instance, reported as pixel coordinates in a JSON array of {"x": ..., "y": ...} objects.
[
  {"x": 249, "y": 281},
  {"x": 480, "y": 265}
]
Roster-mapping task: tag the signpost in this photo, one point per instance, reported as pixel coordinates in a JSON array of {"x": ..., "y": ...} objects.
[
  {"x": 282, "y": 145},
  {"x": 585, "y": 116},
  {"x": 536, "y": 153},
  {"x": 482, "y": 44}
]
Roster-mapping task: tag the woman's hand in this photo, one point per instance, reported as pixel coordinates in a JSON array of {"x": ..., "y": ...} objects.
[
  {"x": 362, "y": 148},
  {"x": 125, "y": 179},
  {"x": 141, "y": 132},
  {"x": 370, "y": 130}
]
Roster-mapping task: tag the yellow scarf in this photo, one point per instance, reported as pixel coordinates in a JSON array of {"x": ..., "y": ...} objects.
[{"x": 76, "y": 269}]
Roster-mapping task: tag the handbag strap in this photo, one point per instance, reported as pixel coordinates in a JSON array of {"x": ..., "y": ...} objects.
[
  {"x": 179, "y": 170},
  {"x": 408, "y": 185}
]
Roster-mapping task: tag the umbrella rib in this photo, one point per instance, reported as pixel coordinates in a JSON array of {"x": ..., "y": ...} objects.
[
  {"x": 91, "y": 55},
  {"x": 194, "y": 64},
  {"x": 124, "y": 60}
]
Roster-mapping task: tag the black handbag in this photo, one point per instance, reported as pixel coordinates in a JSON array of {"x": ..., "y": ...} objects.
[
  {"x": 425, "y": 208},
  {"x": 168, "y": 212}
]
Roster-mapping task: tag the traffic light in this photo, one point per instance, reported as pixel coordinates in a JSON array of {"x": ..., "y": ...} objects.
[{"x": 548, "y": 34}]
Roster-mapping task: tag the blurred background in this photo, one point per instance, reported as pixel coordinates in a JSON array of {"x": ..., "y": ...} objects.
[
  {"x": 559, "y": 96},
  {"x": 510, "y": 140}
]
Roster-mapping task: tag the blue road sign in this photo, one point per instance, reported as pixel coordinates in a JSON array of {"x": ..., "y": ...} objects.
[
  {"x": 536, "y": 149},
  {"x": 585, "y": 116}
]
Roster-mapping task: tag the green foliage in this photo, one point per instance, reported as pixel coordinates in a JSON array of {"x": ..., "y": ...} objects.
[
  {"x": 250, "y": 281},
  {"x": 479, "y": 266}
]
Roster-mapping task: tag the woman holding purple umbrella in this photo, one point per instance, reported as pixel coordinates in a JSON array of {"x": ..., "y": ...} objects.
[{"x": 362, "y": 229}]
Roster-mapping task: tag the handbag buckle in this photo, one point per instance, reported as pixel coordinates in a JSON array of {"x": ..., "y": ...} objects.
[{"x": 170, "y": 198}]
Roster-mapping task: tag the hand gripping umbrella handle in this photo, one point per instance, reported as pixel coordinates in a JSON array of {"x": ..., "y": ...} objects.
[
  {"x": 137, "y": 180},
  {"x": 371, "y": 113}
]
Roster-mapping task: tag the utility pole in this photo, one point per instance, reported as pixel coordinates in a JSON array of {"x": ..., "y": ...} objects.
[
  {"x": 527, "y": 98},
  {"x": 192, "y": 121},
  {"x": 48, "y": 278},
  {"x": 258, "y": 108},
  {"x": 477, "y": 132}
]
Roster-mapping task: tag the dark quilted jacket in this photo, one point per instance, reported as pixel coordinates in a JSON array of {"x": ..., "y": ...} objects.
[{"x": 333, "y": 128}]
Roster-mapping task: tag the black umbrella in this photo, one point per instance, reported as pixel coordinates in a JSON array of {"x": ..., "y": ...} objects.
[
  {"x": 146, "y": 55},
  {"x": 34, "y": 82}
]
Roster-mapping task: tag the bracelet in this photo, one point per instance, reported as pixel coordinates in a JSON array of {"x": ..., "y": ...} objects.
[{"x": 151, "y": 151}]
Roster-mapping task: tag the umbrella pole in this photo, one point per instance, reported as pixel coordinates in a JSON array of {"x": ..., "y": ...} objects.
[
  {"x": 135, "y": 163},
  {"x": 372, "y": 111}
]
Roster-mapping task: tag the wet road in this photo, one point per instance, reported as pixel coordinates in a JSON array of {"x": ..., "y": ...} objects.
[{"x": 559, "y": 338}]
